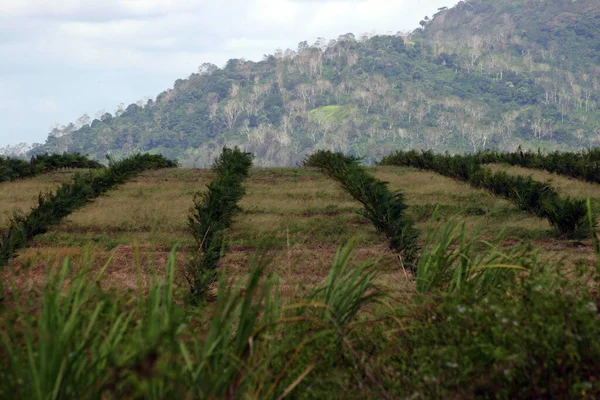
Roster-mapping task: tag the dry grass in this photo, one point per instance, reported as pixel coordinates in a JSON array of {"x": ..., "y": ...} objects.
[
  {"x": 294, "y": 206},
  {"x": 21, "y": 195},
  {"x": 565, "y": 186},
  {"x": 153, "y": 207},
  {"x": 298, "y": 215},
  {"x": 476, "y": 207}
]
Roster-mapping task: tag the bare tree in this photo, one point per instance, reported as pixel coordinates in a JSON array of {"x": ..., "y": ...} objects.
[
  {"x": 232, "y": 109},
  {"x": 323, "y": 85},
  {"x": 306, "y": 92},
  {"x": 366, "y": 98}
]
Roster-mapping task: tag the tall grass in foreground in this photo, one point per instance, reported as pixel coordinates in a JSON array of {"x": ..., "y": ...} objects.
[
  {"x": 212, "y": 214},
  {"x": 345, "y": 291},
  {"x": 84, "y": 342},
  {"x": 384, "y": 208},
  {"x": 455, "y": 263},
  {"x": 76, "y": 340},
  {"x": 524, "y": 334}
]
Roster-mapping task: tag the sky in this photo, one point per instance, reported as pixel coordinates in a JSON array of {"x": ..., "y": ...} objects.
[{"x": 64, "y": 58}]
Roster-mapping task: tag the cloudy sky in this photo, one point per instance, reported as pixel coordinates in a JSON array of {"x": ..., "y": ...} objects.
[{"x": 64, "y": 58}]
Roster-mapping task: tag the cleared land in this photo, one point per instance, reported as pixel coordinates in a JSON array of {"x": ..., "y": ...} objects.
[
  {"x": 21, "y": 195},
  {"x": 298, "y": 214}
]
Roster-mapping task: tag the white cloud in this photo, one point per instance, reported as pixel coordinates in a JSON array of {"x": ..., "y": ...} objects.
[{"x": 68, "y": 57}]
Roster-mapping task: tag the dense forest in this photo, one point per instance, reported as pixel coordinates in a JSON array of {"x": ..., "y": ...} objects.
[{"x": 483, "y": 74}]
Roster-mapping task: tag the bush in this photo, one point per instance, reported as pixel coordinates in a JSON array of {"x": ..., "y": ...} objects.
[
  {"x": 584, "y": 165},
  {"x": 531, "y": 340}
]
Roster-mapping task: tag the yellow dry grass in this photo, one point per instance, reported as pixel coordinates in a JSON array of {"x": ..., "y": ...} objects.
[
  {"x": 152, "y": 207},
  {"x": 21, "y": 195},
  {"x": 297, "y": 215},
  {"x": 477, "y": 208},
  {"x": 296, "y": 206},
  {"x": 565, "y": 186}
]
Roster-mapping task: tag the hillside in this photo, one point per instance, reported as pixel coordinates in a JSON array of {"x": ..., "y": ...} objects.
[{"x": 484, "y": 74}]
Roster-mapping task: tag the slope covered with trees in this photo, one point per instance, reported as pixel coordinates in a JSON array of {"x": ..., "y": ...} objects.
[{"x": 484, "y": 74}]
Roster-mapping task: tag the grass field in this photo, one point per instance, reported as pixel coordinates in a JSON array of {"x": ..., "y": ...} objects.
[
  {"x": 300, "y": 218},
  {"x": 299, "y": 213},
  {"x": 21, "y": 195}
]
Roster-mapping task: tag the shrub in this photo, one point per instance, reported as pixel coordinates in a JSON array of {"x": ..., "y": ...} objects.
[
  {"x": 583, "y": 165},
  {"x": 11, "y": 168},
  {"x": 531, "y": 340}
]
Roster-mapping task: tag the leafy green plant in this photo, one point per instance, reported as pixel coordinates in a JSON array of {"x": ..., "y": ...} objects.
[
  {"x": 529, "y": 334},
  {"x": 530, "y": 340},
  {"x": 78, "y": 341},
  {"x": 385, "y": 209},
  {"x": 64, "y": 350},
  {"x": 454, "y": 263},
  {"x": 230, "y": 358},
  {"x": 345, "y": 291},
  {"x": 212, "y": 213}
]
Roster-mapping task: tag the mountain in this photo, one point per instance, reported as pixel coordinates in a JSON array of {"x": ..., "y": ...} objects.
[{"x": 483, "y": 74}]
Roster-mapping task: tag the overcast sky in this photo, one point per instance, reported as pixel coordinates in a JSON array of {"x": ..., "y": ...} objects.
[{"x": 61, "y": 59}]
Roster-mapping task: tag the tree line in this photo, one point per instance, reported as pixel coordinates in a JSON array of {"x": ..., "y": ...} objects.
[
  {"x": 493, "y": 81},
  {"x": 583, "y": 165},
  {"x": 14, "y": 168}
]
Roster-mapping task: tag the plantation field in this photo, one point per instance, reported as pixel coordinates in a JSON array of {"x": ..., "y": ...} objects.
[
  {"x": 564, "y": 185},
  {"x": 299, "y": 214},
  {"x": 119, "y": 285},
  {"x": 21, "y": 195}
]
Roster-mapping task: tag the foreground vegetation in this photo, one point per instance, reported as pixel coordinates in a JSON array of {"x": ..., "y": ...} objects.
[{"x": 482, "y": 324}]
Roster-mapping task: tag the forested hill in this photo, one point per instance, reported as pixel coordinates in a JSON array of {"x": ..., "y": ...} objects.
[{"x": 484, "y": 74}]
